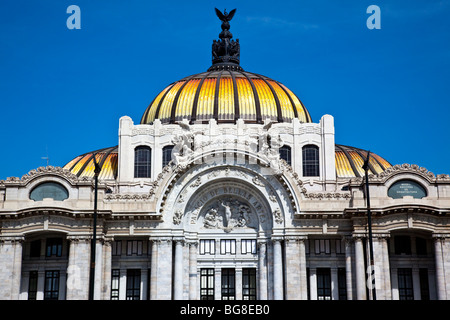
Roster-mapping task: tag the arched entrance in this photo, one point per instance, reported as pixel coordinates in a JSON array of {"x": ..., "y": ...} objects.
[
  {"x": 231, "y": 220},
  {"x": 226, "y": 223}
]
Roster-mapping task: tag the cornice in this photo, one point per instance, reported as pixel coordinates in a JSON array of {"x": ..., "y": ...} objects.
[{"x": 406, "y": 208}]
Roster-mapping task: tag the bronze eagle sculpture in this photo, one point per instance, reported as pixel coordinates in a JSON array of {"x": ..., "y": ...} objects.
[{"x": 225, "y": 17}]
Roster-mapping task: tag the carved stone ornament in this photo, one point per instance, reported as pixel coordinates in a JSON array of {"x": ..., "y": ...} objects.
[
  {"x": 43, "y": 171},
  {"x": 277, "y": 216},
  {"x": 270, "y": 142},
  {"x": 177, "y": 216},
  {"x": 228, "y": 214},
  {"x": 404, "y": 168}
]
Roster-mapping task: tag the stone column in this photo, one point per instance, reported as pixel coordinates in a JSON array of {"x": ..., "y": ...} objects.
[
  {"x": 382, "y": 272},
  {"x": 106, "y": 279},
  {"x": 440, "y": 267},
  {"x": 334, "y": 284},
  {"x": 303, "y": 274},
  {"x": 238, "y": 284},
  {"x": 178, "y": 270},
  {"x": 313, "y": 283},
  {"x": 277, "y": 269},
  {"x": 164, "y": 269},
  {"x": 416, "y": 283},
  {"x": 154, "y": 269},
  {"x": 78, "y": 267},
  {"x": 193, "y": 244},
  {"x": 292, "y": 265},
  {"x": 360, "y": 274},
  {"x": 218, "y": 283},
  {"x": 98, "y": 269},
  {"x": 262, "y": 269},
  {"x": 161, "y": 273},
  {"x": 11, "y": 263},
  {"x": 348, "y": 267},
  {"x": 394, "y": 284}
]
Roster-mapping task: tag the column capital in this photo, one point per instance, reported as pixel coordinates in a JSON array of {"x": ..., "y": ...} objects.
[
  {"x": 384, "y": 235},
  {"x": 12, "y": 239},
  {"x": 295, "y": 238},
  {"x": 79, "y": 238},
  {"x": 358, "y": 236},
  {"x": 277, "y": 239},
  {"x": 440, "y": 236},
  {"x": 161, "y": 239}
]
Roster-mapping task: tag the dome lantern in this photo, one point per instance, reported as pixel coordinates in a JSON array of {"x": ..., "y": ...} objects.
[{"x": 225, "y": 52}]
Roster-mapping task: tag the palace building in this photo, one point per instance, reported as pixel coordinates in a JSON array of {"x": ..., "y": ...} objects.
[{"x": 226, "y": 189}]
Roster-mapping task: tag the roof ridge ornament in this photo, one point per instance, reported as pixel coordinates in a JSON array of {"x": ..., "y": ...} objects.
[{"x": 225, "y": 52}]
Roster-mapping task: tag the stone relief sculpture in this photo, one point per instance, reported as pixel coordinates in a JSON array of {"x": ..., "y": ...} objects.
[
  {"x": 183, "y": 149},
  {"x": 229, "y": 214},
  {"x": 270, "y": 142}
]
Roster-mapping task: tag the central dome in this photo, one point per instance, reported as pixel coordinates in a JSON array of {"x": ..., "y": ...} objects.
[
  {"x": 225, "y": 92},
  {"x": 226, "y": 96}
]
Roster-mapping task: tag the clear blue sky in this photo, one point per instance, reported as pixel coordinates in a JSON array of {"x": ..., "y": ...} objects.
[{"x": 64, "y": 90}]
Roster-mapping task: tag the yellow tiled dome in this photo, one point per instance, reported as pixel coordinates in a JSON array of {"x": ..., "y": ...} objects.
[
  {"x": 226, "y": 95},
  {"x": 349, "y": 162}
]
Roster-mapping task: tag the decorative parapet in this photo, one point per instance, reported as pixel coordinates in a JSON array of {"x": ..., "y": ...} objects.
[
  {"x": 42, "y": 171},
  {"x": 404, "y": 168}
]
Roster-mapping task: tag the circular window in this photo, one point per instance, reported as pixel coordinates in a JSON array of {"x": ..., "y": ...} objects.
[
  {"x": 404, "y": 188},
  {"x": 51, "y": 190}
]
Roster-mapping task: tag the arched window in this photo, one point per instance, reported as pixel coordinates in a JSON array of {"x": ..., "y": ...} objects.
[
  {"x": 167, "y": 155},
  {"x": 142, "y": 162},
  {"x": 310, "y": 161},
  {"x": 51, "y": 190},
  {"x": 285, "y": 154}
]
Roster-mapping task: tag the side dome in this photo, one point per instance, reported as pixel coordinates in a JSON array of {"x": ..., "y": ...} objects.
[
  {"x": 107, "y": 158},
  {"x": 226, "y": 96},
  {"x": 349, "y": 162}
]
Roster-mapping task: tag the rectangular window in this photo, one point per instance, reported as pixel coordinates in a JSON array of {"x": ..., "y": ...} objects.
[
  {"x": 167, "y": 155},
  {"x": 133, "y": 284},
  {"x": 285, "y": 154},
  {"x": 322, "y": 246},
  {"x": 340, "y": 246},
  {"x": 53, "y": 247},
  {"x": 115, "y": 280},
  {"x": 310, "y": 154},
  {"x": 228, "y": 246},
  {"x": 51, "y": 287},
  {"x": 421, "y": 246},
  {"x": 249, "y": 284},
  {"x": 248, "y": 246},
  {"x": 32, "y": 285},
  {"x": 207, "y": 284},
  {"x": 207, "y": 246},
  {"x": 424, "y": 286},
  {"x": 134, "y": 247},
  {"x": 228, "y": 284},
  {"x": 307, "y": 249},
  {"x": 405, "y": 284},
  {"x": 323, "y": 284},
  {"x": 402, "y": 244},
  {"x": 116, "y": 248},
  {"x": 342, "y": 284},
  {"x": 35, "y": 249},
  {"x": 142, "y": 162}
]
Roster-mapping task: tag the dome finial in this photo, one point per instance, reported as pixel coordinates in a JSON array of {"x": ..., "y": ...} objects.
[{"x": 225, "y": 52}]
